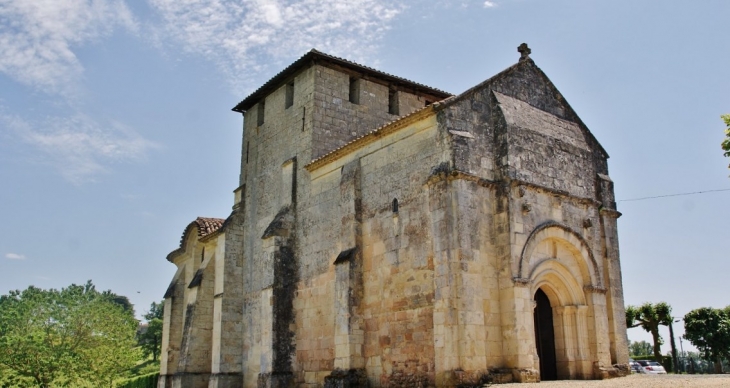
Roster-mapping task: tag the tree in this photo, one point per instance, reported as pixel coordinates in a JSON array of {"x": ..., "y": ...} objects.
[
  {"x": 640, "y": 348},
  {"x": 649, "y": 316},
  {"x": 726, "y": 142},
  {"x": 121, "y": 300},
  {"x": 59, "y": 337},
  {"x": 708, "y": 329},
  {"x": 150, "y": 337}
]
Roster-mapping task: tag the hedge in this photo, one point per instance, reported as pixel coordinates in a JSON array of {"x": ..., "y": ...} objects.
[{"x": 146, "y": 381}]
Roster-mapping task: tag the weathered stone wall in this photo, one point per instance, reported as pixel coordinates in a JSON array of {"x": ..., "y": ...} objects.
[
  {"x": 268, "y": 150},
  {"x": 339, "y": 120},
  {"x": 517, "y": 137},
  {"x": 189, "y": 314},
  {"x": 228, "y": 328},
  {"x": 172, "y": 328},
  {"x": 195, "y": 356},
  {"x": 394, "y": 335}
]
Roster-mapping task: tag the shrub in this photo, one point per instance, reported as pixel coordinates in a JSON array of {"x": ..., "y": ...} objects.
[{"x": 146, "y": 381}]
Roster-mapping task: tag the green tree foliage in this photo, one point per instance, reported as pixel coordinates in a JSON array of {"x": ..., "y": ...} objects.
[
  {"x": 726, "y": 142},
  {"x": 649, "y": 317},
  {"x": 122, "y": 301},
  {"x": 640, "y": 348},
  {"x": 10, "y": 379},
  {"x": 150, "y": 337},
  {"x": 708, "y": 329},
  {"x": 68, "y": 336}
]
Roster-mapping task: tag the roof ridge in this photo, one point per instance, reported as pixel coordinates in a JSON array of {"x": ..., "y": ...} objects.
[
  {"x": 439, "y": 105},
  {"x": 379, "y": 130}
]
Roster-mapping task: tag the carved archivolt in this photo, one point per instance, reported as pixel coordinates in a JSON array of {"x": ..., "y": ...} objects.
[
  {"x": 558, "y": 283},
  {"x": 557, "y": 231}
]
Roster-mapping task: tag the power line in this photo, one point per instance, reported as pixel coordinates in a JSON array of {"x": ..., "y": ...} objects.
[{"x": 672, "y": 195}]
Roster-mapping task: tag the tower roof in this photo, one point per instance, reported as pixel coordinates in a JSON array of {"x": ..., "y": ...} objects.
[{"x": 314, "y": 56}]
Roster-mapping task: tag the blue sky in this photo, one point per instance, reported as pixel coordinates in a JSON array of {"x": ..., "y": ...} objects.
[{"x": 116, "y": 129}]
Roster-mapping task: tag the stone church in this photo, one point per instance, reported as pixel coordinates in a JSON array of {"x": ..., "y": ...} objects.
[{"x": 389, "y": 234}]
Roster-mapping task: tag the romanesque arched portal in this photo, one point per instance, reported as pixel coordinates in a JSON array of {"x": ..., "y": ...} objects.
[{"x": 563, "y": 274}]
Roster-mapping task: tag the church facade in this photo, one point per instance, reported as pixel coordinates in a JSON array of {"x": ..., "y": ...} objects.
[{"x": 389, "y": 234}]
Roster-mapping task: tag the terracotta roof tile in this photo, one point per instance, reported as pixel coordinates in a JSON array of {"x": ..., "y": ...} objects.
[
  {"x": 207, "y": 226},
  {"x": 204, "y": 226}
]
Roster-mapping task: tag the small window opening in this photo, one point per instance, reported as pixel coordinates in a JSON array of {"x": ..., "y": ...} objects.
[
  {"x": 289, "y": 94},
  {"x": 395, "y": 205},
  {"x": 202, "y": 255},
  {"x": 354, "y": 90},
  {"x": 304, "y": 116},
  {"x": 260, "y": 113},
  {"x": 393, "y": 102},
  {"x": 247, "y": 152}
]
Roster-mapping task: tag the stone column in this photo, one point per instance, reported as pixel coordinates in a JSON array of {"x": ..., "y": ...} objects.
[
  {"x": 597, "y": 318},
  {"x": 565, "y": 349},
  {"x": 582, "y": 349}
]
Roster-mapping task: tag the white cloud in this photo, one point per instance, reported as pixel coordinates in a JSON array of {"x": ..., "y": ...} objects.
[
  {"x": 78, "y": 146},
  {"x": 252, "y": 38},
  {"x": 489, "y": 4},
  {"x": 14, "y": 256},
  {"x": 37, "y": 38}
]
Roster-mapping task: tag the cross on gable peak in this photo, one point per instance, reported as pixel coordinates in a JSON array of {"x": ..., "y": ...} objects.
[{"x": 524, "y": 51}]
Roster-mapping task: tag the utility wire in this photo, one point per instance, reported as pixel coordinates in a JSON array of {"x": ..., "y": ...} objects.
[{"x": 672, "y": 195}]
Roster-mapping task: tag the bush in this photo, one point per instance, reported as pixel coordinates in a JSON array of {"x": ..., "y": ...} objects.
[{"x": 146, "y": 381}]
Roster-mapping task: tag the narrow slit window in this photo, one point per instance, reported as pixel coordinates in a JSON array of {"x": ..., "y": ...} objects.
[
  {"x": 289, "y": 95},
  {"x": 260, "y": 113},
  {"x": 354, "y": 90},
  {"x": 247, "y": 152},
  {"x": 304, "y": 116},
  {"x": 395, "y": 205},
  {"x": 393, "y": 102}
]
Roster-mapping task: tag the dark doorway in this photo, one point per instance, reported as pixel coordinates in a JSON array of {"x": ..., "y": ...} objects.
[{"x": 545, "y": 337}]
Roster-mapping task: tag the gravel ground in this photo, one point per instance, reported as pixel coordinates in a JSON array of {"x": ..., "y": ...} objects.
[{"x": 638, "y": 381}]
